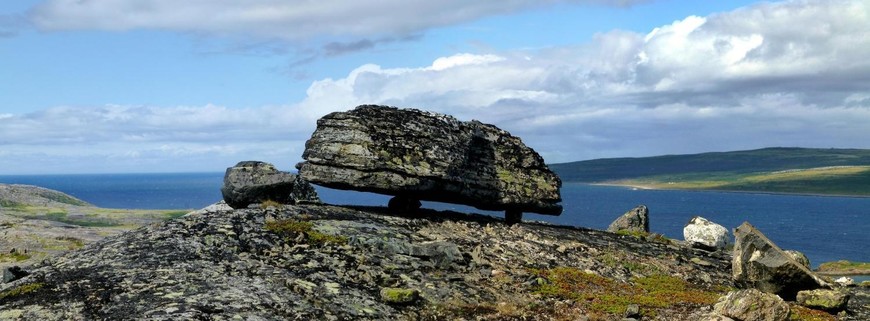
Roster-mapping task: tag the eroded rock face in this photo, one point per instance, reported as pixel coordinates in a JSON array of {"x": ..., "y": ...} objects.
[
  {"x": 428, "y": 156},
  {"x": 751, "y": 304},
  {"x": 252, "y": 182},
  {"x": 702, "y": 233},
  {"x": 758, "y": 263},
  {"x": 635, "y": 220}
]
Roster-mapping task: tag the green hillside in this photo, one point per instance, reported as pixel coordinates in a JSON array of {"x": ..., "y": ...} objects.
[{"x": 792, "y": 170}]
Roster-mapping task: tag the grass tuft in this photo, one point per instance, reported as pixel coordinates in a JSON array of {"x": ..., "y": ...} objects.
[{"x": 290, "y": 229}]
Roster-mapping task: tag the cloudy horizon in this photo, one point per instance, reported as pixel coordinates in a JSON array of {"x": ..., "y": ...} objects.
[{"x": 133, "y": 86}]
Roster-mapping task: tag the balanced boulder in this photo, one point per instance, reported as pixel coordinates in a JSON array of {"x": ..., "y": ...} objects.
[
  {"x": 702, "y": 233},
  {"x": 635, "y": 220},
  {"x": 253, "y": 182},
  {"x": 419, "y": 155},
  {"x": 758, "y": 263}
]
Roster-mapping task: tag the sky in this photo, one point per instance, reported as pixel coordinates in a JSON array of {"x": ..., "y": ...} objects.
[{"x": 141, "y": 86}]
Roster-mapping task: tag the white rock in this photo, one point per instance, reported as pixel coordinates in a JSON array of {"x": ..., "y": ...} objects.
[
  {"x": 845, "y": 281},
  {"x": 704, "y": 233}
]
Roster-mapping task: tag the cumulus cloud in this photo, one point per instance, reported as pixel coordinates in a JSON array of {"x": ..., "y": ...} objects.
[
  {"x": 782, "y": 74},
  {"x": 279, "y": 19}
]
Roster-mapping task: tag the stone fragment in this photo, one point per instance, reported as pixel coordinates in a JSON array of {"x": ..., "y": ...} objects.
[
  {"x": 821, "y": 299},
  {"x": 845, "y": 281},
  {"x": 428, "y": 156},
  {"x": 253, "y": 182},
  {"x": 704, "y": 234},
  {"x": 635, "y": 220},
  {"x": 751, "y": 304},
  {"x": 399, "y": 295},
  {"x": 758, "y": 263},
  {"x": 13, "y": 273},
  {"x": 799, "y": 257}
]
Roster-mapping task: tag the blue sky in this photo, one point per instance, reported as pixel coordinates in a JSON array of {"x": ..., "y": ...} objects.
[{"x": 170, "y": 86}]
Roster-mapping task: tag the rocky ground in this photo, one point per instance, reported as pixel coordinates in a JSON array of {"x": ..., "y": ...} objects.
[{"x": 36, "y": 223}]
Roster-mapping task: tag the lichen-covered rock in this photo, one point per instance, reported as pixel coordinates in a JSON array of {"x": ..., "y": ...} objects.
[
  {"x": 702, "y": 233},
  {"x": 253, "y": 182},
  {"x": 428, "y": 156},
  {"x": 635, "y": 220},
  {"x": 399, "y": 295},
  {"x": 758, "y": 263},
  {"x": 751, "y": 304},
  {"x": 799, "y": 257},
  {"x": 822, "y": 299}
]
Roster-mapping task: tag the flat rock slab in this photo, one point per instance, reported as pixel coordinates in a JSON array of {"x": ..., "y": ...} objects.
[{"x": 428, "y": 156}]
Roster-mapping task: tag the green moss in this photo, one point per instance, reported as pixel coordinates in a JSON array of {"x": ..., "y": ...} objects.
[
  {"x": 20, "y": 290},
  {"x": 399, "y": 296},
  {"x": 602, "y": 295},
  {"x": 174, "y": 214},
  {"x": 800, "y": 313},
  {"x": 290, "y": 229},
  {"x": 14, "y": 257},
  {"x": 11, "y": 204}
]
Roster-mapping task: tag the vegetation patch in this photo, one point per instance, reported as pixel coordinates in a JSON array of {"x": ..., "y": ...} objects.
[
  {"x": 11, "y": 204},
  {"x": 174, "y": 214},
  {"x": 291, "y": 229},
  {"x": 601, "y": 295},
  {"x": 844, "y": 267},
  {"x": 270, "y": 203},
  {"x": 21, "y": 290},
  {"x": 800, "y": 313},
  {"x": 14, "y": 256}
]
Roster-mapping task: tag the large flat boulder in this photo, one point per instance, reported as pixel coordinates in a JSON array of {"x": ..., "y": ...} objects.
[
  {"x": 419, "y": 155},
  {"x": 252, "y": 182},
  {"x": 758, "y": 263}
]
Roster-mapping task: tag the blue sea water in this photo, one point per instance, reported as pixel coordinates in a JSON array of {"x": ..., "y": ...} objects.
[{"x": 825, "y": 228}]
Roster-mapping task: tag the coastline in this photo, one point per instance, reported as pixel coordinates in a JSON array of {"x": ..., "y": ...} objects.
[{"x": 651, "y": 187}]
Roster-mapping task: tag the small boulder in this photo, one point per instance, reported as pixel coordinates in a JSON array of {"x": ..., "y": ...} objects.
[
  {"x": 751, "y": 304},
  {"x": 799, "y": 257},
  {"x": 253, "y": 182},
  {"x": 821, "y": 299},
  {"x": 13, "y": 273},
  {"x": 635, "y": 220},
  {"x": 704, "y": 234},
  {"x": 845, "y": 281},
  {"x": 758, "y": 263}
]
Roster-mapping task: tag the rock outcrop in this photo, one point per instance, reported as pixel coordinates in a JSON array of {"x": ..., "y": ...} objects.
[
  {"x": 822, "y": 299},
  {"x": 321, "y": 262},
  {"x": 253, "y": 182},
  {"x": 758, "y": 263},
  {"x": 703, "y": 233},
  {"x": 751, "y": 304},
  {"x": 635, "y": 220},
  {"x": 419, "y": 155},
  {"x": 799, "y": 257}
]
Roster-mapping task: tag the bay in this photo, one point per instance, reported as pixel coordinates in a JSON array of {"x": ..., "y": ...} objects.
[{"x": 825, "y": 228}]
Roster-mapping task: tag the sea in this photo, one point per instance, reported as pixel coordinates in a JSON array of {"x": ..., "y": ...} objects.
[{"x": 825, "y": 228}]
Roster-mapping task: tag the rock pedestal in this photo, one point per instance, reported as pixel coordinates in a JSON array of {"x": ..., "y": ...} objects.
[
  {"x": 422, "y": 155},
  {"x": 702, "y": 233},
  {"x": 253, "y": 182},
  {"x": 635, "y": 220},
  {"x": 758, "y": 263}
]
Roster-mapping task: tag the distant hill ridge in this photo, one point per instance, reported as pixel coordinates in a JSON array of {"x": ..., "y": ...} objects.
[{"x": 736, "y": 162}]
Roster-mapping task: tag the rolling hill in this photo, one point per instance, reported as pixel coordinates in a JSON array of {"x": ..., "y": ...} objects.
[{"x": 786, "y": 170}]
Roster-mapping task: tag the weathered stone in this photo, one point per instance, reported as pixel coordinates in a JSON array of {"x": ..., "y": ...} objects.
[
  {"x": 799, "y": 257},
  {"x": 821, "y": 299},
  {"x": 13, "y": 273},
  {"x": 751, "y": 304},
  {"x": 702, "y": 233},
  {"x": 428, "y": 156},
  {"x": 252, "y": 182},
  {"x": 845, "y": 281},
  {"x": 404, "y": 205},
  {"x": 635, "y": 220},
  {"x": 758, "y": 263}
]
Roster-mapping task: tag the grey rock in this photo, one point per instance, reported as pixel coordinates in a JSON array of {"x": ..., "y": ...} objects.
[
  {"x": 428, "y": 156},
  {"x": 252, "y": 182},
  {"x": 822, "y": 299},
  {"x": 632, "y": 311},
  {"x": 13, "y": 273},
  {"x": 799, "y": 257},
  {"x": 758, "y": 263},
  {"x": 635, "y": 220},
  {"x": 702, "y": 233},
  {"x": 751, "y": 304}
]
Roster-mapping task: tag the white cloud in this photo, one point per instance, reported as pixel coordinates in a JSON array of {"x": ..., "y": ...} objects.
[
  {"x": 784, "y": 74},
  {"x": 279, "y": 19}
]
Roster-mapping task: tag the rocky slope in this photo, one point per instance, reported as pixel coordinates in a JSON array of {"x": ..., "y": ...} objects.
[{"x": 324, "y": 262}]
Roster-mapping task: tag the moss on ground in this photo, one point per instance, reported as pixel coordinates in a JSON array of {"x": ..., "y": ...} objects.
[
  {"x": 290, "y": 229},
  {"x": 800, "y": 313},
  {"x": 20, "y": 290}
]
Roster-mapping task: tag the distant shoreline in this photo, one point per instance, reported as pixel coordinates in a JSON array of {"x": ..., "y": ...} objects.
[{"x": 648, "y": 187}]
